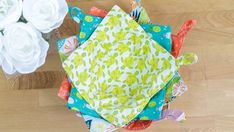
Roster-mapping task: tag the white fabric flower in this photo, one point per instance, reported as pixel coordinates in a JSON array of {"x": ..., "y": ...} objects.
[
  {"x": 45, "y": 15},
  {"x": 23, "y": 49},
  {"x": 10, "y": 12},
  {"x": 1, "y": 44}
]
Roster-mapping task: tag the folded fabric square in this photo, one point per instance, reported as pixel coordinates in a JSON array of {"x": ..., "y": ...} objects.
[
  {"x": 179, "y": 84},
  {"x": 68, "y": 45},
  {"x": 177, "y": 41},
  {"x": 84, "y": 108},
  {"x": 164, "y": 40},
  {"x": 116, "y": 72},
  {"x": 78, "y": 104}
]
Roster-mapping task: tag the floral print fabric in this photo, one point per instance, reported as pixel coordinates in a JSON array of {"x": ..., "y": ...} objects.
[
  {"x": 98, "y": 125},
  {"x": 67, "y": 46},
  {"x": 175, "y": 88},
  {"x": 93, "y": 68},
  {"x": 136, "y": 124},
  {"x": 151, "y": 112}
]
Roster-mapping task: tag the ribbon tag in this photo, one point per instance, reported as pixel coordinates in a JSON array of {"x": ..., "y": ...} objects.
[{"x": 186, "y": 59}]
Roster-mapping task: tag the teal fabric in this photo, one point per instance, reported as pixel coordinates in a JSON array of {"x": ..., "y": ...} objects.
[
  {"x": 76, "y": 102},
  {"x": 87, "y": 22},
  {"x": 161, "y": 34}
]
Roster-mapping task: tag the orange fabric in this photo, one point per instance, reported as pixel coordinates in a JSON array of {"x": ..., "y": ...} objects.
[
  {"x": 94, "y": 11},
  {"x": 178, "y": 39},
  {"x": 138, "y": 125},
  {"x": 65, "y": 88}
]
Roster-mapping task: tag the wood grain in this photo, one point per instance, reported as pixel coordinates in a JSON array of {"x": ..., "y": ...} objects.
[{"x": 31, "y": 104}]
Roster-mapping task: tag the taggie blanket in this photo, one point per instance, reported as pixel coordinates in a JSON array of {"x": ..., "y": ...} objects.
[{"x": 120, "y": 68}]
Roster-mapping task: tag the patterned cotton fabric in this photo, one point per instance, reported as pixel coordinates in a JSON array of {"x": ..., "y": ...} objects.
[
  {"x": 94, "y": 70},
  {"x": 174, "y": 88},
  {"x": 152, "y": 111},
  {"x": 77, "y": 103},
  {"x": 85, "y": 20}
]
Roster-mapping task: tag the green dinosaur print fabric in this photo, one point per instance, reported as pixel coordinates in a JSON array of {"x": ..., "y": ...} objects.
[{"x": 120, "y": 68}]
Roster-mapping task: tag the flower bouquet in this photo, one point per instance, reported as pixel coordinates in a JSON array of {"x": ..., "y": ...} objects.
[{"x": 23, "y": 27}]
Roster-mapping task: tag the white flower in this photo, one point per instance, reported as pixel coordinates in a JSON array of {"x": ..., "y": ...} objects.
[
  {"x": 45, "y": 15},
  {"x": 1, "y": 44},
  {"x": 10, "y": 12},
  {"x": 23, "y": 49}
]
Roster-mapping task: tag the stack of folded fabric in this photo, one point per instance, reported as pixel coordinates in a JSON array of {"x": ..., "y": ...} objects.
[{"x": 122, "y": 71}]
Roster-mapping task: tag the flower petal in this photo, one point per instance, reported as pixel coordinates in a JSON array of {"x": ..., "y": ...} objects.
[
  {"x": 7, "y": 66},
  {"x": 24, "y": 48},
  {"x": 1, "y": 59},
  {"x": 45, "y": 15},
  {"x": 1, "y": 43},
  {"x": 44, "y": 46},
  {"x": 13, "y": 13}
]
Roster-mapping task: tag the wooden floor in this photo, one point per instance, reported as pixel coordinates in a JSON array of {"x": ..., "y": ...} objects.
[{"x": 29, "y": 103}]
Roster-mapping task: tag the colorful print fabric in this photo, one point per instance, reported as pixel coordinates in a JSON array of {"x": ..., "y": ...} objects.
[
  {"x": 151, "y": 112},
  {"x": 178, "y": 89},
  {"x": 175, "y": 88},
  {"x": 139, "y": 13},
  {"x": 98, "y": 125},
  {"x": 72, "y": 42},
  {"x": 93, "y": 68},
  {"x": 85, "y": 20},
  {"x": 66, "y": 47},
  {"x": 144, "y": 18},
  {"x": 160, "y": 33},
  {"x": 76, "y": 103}
]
